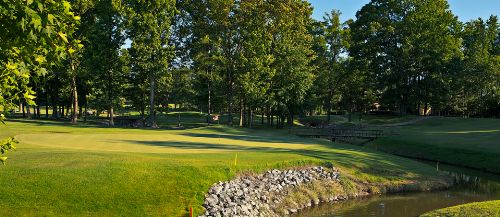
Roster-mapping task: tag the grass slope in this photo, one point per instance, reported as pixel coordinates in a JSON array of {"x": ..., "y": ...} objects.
[
  {"x": 491, "y": 208},
  {"x": 360, "y": 119},
  {"x": 64, "y": 170},
  {"x": 467, "y": 142}
]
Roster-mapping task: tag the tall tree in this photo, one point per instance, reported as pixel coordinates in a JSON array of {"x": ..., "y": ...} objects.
[
  {"x": 430, "y": 41},
  {"x": 216, "y": 21},
  {"x": 102, "y": 55},
  {"x": 406, "y": 46},
  {"x": 149, "y": 24},
  {"x": 291, "y": 48},
  {"x": 255, "y": 71},
  {"x": 337, "y": 41},
  {"x": 374, "y": 50},
  {"x": 477, "y": 83}
]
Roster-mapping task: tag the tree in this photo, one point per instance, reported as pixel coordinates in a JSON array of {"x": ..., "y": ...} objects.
[
  {"x": 430, "y": 41},
  {"x": 149, "y": 24},
  {"x": 102, "y": 56},
  {"x": 376, "y": 51},
  {"x": 476, "y": 86},
  {"x": 216, "y": 21},
  {"x": 406, "y": 47},
  {"x": 255, "y": 71},
  {"x": 291, "y": 48},
  {"x": 35, "y": 35},
  {"x": 337, "y": 41}
]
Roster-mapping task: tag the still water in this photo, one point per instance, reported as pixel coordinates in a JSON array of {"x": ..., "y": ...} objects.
[{"x": 472, "y": 186}]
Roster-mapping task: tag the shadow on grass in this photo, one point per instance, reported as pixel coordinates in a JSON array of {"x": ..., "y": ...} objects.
[
  {"x": 257, "y": 138},
  {"x": 365, "y": 161},
  {"x": 95, "y": 124}
]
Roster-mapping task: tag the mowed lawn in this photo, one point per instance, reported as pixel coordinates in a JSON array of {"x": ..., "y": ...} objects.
[
  {"x": 64, "y": 170},
  {"x": 481, "y": 209},
  {"x": 467, "y": 142}
]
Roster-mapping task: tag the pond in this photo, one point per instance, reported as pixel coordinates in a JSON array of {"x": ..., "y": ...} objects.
[{"x": 471, "y": 186}]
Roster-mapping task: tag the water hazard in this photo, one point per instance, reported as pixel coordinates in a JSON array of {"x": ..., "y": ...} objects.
[{"x": 472, "y": 186}]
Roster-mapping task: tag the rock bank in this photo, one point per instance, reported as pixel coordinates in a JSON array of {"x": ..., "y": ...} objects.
[{"x": 261, "y": 195}]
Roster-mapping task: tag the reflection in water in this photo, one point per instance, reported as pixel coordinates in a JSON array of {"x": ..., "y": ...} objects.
[{"x": 471, "y": 186}]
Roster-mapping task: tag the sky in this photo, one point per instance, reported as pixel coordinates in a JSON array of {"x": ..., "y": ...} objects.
[{"x": 465, "y": 9}]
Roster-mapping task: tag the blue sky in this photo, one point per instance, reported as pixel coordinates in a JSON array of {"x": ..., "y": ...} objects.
[{"x": 464, "y": 9}]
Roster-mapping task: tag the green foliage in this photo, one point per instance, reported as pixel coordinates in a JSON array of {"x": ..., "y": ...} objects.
[
  {"x": 102, "y": 63},
  {"x": 148, "y": 27},
  {"x": 333, "y": 83},
  {"x": 5, "y": 146},
  {"x": 408, "y": 48},
  {"x": 35, "y": 35},
  {"x": 477, "y": 81},
  {"x": 292, "y": 52}
]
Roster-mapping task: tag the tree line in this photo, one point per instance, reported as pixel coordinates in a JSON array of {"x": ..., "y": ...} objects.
[{"x": 246, "y": 58}]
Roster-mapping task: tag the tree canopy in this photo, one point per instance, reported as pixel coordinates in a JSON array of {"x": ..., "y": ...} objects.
[{"x": 256, "y": 57}]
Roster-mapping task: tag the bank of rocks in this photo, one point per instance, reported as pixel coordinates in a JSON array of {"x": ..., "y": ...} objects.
[{"x": 263, "y": 195}]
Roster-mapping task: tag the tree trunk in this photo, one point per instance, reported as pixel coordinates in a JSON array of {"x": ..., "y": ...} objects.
[
  {"x": 250, "y": 117},
  {"x": 38, "y": 111},
  {"x": 111, "y": 114},
  {"x": 74, "y": 117},
  {"x": 28, "y": 111},
  {"x": 268, "y": 114},
  {"x": 426, "y": 107},
  {"x": 262, "y": 116},
  {"x": 241, "y": 113},
  {"x": 230, "y": 99},
  {"x": 143, "y": 107},
  {"x": 86, "y": 111},
  {"x": 272, "y": 118},
  {"x": 47, "y": 106},
  {"x": 54, "y": 106},
  {"x": 209, "y": 103},
  {"x": 23, "y": 110},
  {"x": 152, "y": 117}
]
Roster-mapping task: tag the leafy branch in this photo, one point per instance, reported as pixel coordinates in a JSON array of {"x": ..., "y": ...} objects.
[{"x": 5, "y": 146}]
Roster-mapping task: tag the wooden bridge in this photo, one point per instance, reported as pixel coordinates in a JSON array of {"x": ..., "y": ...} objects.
[{"x": 345, "y": 134}]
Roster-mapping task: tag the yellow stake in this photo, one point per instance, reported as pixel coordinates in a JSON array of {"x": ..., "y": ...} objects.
[{"x": 235, "y": 158}]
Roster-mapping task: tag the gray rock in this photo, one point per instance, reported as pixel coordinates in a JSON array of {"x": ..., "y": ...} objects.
[{"x": 248, "y": 196}]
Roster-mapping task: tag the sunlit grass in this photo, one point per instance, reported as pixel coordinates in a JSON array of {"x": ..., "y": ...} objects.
[
  {"x": 467, "y": 142},
  {"x": 65, "y": 170},
  {"x": 491, "y": 208}
]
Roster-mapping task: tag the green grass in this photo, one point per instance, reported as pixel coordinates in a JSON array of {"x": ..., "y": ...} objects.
[
  {"x": 491, "y": 208},
  {"x": 467, "y": 142},
  {"x": 363, "y": 119},
  {"x": 64, "y": 170}
]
